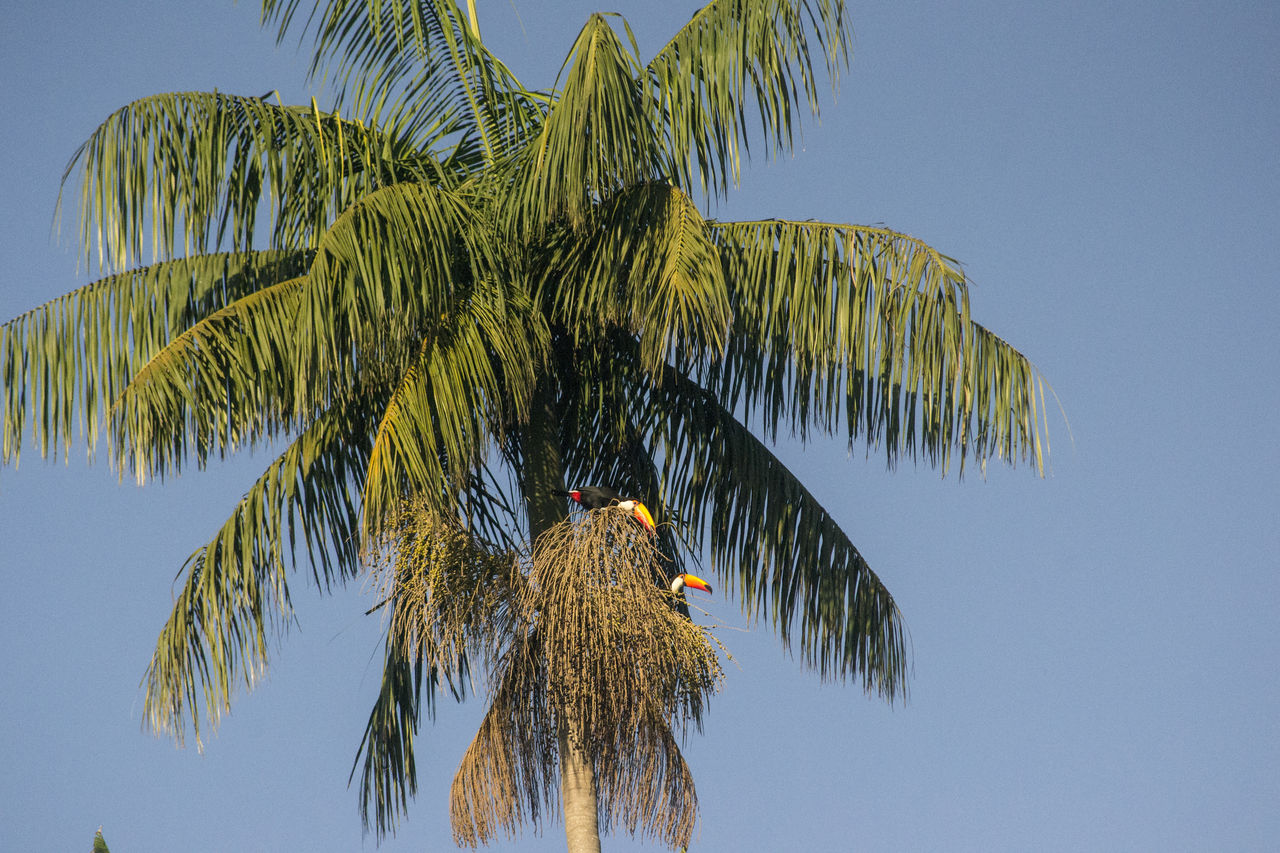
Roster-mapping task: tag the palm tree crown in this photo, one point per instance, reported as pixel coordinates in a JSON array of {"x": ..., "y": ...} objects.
[{"x": 459, "y": 291}]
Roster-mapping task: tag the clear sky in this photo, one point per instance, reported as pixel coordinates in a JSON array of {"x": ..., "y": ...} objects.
[{"x": 1095, "y": 653}]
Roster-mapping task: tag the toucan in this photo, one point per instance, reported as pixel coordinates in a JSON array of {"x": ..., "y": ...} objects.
[
  {"x": 678, "y": 585},
  {"x": 599, "y": 497}
]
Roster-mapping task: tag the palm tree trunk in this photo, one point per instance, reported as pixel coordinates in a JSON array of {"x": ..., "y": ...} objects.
[
  {"x": 578, "y": 792},
  {"x": 542, "y": 474}
]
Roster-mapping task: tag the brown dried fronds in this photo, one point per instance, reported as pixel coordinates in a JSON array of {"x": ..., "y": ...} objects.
[
  {"x": 507, "y": 773},
  {"x": 613, "y": 641},
  {"x": 598, "y": 654}
]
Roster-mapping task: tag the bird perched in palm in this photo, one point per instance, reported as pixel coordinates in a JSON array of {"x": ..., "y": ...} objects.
[{"x": 601, "y": 497}]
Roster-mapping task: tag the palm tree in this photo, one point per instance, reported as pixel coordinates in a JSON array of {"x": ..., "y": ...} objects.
[{"x": 468, "y": 293}]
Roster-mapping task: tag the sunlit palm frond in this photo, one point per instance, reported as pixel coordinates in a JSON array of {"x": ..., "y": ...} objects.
[
  {"x": 736, "y": 63},
  {"x": 393, "y": 269},
  {"x": 597, "y": 139},
  {"x": 63, "y": 363},
  {"x": 468, "y": 381},
  {"x": 223, "y": 384},
  {"x": 644, "y": 262},
  {"x": 194, "y": 169},
  {"x": 417, "y": 61},
  {"x": 872, "y": 327},
  {"x": 235, "y": 591}
]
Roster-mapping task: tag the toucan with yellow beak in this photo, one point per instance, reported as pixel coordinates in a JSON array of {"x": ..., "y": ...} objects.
[
  {"x": 684, "y": 581},
  {"x": 600, "y": 497}
]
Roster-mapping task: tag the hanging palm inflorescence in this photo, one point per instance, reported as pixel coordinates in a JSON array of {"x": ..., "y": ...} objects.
[{"x": 456, "y": 293}]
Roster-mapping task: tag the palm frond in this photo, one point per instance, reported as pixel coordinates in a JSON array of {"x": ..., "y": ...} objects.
[
  {"x": 393, "y": 268},
  {"x": 420, "y": 61},
  {"x": 468, "y": 381},
  {"x": 389, "y": 777},
  {"x": 63, "y": 363},
  {"x": 645, "y": 263},
  {"x": 735, "y": 61},
  {"x": 769, "y": 538},
  {"x": 236, "y": 592},
  {"x": 223, "y": 384},
  {"x": 597, "y": 139},
  {"x": 196, "y": 168},
  {"x": 870, "y": 326}
]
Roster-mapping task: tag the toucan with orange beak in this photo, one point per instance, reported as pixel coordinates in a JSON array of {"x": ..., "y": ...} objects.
[
  {"x": 684, "y": 581},
  {"x": 600, "y": 497}
]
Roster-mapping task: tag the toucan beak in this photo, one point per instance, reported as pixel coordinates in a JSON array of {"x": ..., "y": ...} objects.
[
  {"x": 696, "y": 582},
  {"x": 642, "y": 515}
]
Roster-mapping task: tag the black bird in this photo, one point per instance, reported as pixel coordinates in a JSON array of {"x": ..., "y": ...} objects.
[
  {"x": 592, "y": 497},
  {"x": 599, "y": 497}
]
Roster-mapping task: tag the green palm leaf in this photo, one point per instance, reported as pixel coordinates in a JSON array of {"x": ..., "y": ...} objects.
[
  {"x": 389, "y": 776},
  {"x": 735, "y": 63},
  {"x": 215, "y": 388},
  {"x": 416, "y": 62},
  {"x": 646, "y": 263},
  {"x": 771, "y": 540},
  {"x": 391, "y": 270},
  {"x": 597, "y": 139},
  {"x": 64, "y": 362},
  {"x": 465, "y": 384},
  {"x": 866, "y": 325},
  {"x": 194, "y": 169},
  {"x": 236, "y": 589}
]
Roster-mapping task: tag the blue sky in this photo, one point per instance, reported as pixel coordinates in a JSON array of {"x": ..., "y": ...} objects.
[{"x": 1095, "y": 653}]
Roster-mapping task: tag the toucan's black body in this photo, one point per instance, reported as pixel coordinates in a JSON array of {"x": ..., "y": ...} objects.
[{"x": 593, "y": 497}]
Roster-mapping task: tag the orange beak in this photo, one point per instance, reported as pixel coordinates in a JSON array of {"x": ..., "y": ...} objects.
[{"x": 696, "y": 582}]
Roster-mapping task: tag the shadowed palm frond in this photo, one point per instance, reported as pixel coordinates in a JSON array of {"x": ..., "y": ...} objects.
[
  {"x": 389, "y": 777},
  {"x": 769, "y": 538},
  {"x": 467, "y": 384},
  {"x": 646, "y": 263}
]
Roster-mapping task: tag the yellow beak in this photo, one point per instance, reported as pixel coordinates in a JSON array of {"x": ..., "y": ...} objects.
[{"x": 640, "y": 512}]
